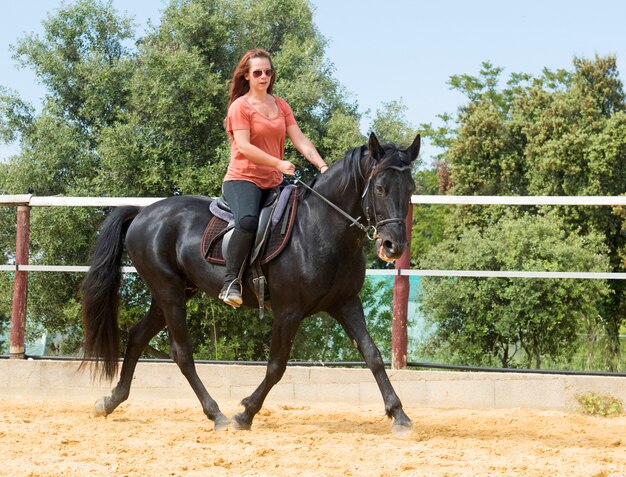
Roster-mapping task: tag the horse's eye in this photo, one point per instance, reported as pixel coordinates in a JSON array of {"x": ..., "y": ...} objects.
[{"x": 380, "y": 190}]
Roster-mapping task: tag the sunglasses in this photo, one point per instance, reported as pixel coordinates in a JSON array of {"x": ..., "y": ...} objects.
[{"x": 268, "y": 72}]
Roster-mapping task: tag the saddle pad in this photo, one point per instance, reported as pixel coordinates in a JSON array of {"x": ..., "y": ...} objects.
[{"x": 279, "y": 235}]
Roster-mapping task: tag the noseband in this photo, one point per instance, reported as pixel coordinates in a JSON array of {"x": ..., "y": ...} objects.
[{"x": 370, "y": 230}]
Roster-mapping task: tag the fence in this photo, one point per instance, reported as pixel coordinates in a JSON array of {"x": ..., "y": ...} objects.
[{"x": 401, "y": 274}]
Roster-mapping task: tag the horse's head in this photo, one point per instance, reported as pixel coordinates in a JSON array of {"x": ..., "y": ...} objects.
[{"x": 387, "y": 195}]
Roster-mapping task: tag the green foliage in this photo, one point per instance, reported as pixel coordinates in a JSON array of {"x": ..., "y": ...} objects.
[
  {"x": 429, "y": 221},
  {"x": 561, "y": 133},
  {"x": 7, "y": 231},
  {"x": 223, "y": 333},
  {"x": 82, "y": 61},
  {"x": 511, "y": 322},
  {"x": 15, "y": 116},
  {"x": 550, "y": 136},
  {"x": 321, "y": 338},
  {"x": 390, "y": 125},
  {"x": 130, "y": 116},
  {"x": 6, "y": 289},
  {"x": 602, "y": 405}
]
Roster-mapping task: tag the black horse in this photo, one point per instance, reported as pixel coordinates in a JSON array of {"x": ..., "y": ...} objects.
[{"x": 322, "y": 268}]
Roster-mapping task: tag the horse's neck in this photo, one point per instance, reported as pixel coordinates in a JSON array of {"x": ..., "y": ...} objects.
[
  {"x": 349, "y": 200},
  {"x": 329, "y": 186}
]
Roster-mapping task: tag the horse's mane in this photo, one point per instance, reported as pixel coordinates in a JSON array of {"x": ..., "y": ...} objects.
[
  {"x": 351, "y": 168},
  {"x": 355, "y": 170}
]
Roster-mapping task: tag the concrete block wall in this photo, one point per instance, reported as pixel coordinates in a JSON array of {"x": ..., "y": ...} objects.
[{"x": 61, "y": 380}]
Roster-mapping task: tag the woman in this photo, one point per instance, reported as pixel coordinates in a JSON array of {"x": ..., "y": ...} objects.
[{"x": 257, "y": 124}]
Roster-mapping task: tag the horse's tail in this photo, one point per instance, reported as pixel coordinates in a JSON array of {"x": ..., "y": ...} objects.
[{"x": 100, "y": 294}]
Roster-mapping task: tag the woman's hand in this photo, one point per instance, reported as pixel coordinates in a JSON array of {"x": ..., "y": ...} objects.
[{"x": 287, "y": 167}]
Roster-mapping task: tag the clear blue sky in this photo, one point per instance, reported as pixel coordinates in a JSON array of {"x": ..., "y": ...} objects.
[{"x": 387, "y": 50}]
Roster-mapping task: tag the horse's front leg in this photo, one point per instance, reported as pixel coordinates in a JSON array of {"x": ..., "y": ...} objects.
[
  {"x": 283, "y": 333},
  {"x": 351, "y": 317}
]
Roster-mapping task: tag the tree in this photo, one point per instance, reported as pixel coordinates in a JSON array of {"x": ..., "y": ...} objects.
[
  {"x": 390, "y": 125},
  {"x": 561, "y": 133},
  {"x": 83, "y": 62},
  {"x": 321, "y": 338},
  {"x": 513, "y": 321},
  {"x": 429, "y": 221},
  {"x": 5, "y": 315}
]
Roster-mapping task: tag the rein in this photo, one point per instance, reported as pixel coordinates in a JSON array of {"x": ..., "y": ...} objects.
[
  {"x": 356, "y": 222},
  {"x": 352, "y": 220}
]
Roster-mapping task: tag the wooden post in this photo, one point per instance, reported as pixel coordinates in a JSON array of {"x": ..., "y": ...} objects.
[
  {"x": 401, "y": 289},
  {"x": 20, "y": 284}
]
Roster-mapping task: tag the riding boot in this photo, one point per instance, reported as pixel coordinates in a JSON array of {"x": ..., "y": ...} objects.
[{"x": 236, "y": 257}]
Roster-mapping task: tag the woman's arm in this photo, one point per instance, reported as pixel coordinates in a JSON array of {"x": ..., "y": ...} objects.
[
  {"x": 258, "y": 156},
  {"x": 306, "y": 147}
]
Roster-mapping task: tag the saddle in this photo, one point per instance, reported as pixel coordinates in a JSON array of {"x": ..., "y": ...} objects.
[{"x": 276, "y": 220}]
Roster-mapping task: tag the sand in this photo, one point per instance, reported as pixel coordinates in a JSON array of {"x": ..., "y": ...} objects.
[{"x": 157, "y": 438}]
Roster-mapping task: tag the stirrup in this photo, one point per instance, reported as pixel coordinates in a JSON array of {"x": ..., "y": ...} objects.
[{"x": 231, "y": 295}]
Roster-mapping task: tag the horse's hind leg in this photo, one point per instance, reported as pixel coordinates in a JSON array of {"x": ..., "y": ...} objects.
[
  {"x": 138, "y": 338},
  {"x": 180, "y": 349}
]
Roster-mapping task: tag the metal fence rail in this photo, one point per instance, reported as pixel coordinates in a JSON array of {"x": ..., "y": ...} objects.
[{"x": 52, "y": 201}]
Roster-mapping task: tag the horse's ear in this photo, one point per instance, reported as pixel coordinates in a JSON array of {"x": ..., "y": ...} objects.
[
  {"x": 414, "y": 149},
  {"x": 376, "y": 151}
]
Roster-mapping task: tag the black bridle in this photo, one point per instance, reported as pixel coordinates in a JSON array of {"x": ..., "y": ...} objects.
[
  {"x": 366, "y": 200},
  {"x": 370, "y": 230}
]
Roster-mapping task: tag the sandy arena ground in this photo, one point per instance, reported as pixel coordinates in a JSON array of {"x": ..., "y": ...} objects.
[{"x": 51, "y": 438}]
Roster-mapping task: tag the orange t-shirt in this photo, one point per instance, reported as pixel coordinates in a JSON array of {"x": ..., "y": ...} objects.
[{"x": 268, "y": 134}]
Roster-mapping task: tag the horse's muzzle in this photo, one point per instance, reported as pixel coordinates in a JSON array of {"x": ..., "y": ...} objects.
[{"x": 389, "y": 250}]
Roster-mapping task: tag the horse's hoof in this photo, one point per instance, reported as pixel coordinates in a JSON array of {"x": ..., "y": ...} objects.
[
  {"x": 402, "y": 429},
  {"x": 239, "y": 424},
  {"x": 99, "y": 409},
  {"x": 222, "y": 423}
]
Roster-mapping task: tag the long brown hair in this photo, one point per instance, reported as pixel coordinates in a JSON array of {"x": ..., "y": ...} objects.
[{"x": 239, "y": 85}]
